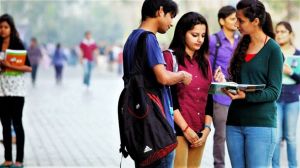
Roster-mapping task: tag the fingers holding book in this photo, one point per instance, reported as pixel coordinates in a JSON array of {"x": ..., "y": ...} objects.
[{"x": 234, "y": 94}]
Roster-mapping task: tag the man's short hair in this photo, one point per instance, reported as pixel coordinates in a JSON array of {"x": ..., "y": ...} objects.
[
  {"x": 225, "y": 11},
  {"x": 150, "y": 7}
]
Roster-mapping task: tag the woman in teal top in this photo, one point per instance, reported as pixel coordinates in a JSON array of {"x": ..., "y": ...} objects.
[
  {"x": 251, "y": 122},
  {"x": 288, "y": 102}
]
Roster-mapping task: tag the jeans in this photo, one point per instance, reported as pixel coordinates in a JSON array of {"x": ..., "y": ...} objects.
[
  {"x": 58, "y": 73},
  {"x": 287, "y": 117},
  {"x": 166, "y": 162},
  {"x": 34, "y": 72},
  {"x": 250, "y": 147},
  {"x": 87, "y": 65}
]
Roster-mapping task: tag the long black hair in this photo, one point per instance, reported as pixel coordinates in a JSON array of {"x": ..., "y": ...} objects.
[
  {"x": 186, "y": 23},
  {"x": 14, "y": 35},
  {"x": 251, "y": 9}
]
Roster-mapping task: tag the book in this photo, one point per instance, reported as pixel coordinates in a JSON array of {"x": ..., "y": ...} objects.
[
  {"x": 15, "y": 58},
  {"x": 216, "y": 87},
  {"x": 294, "y": 63}
]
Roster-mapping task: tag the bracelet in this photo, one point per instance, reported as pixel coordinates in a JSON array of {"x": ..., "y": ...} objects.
[
  {"x": 207, "y": 126},
  {"x": 185, "y": 128}
]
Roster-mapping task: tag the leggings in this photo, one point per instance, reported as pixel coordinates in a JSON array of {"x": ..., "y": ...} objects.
[{"x": 11, "y": 109}]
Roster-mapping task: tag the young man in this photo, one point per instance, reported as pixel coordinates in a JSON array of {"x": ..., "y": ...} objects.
[
  {"x": 221, "y": 48},
  {"x": 157, "y": 17},
  {"x": 88, "y": 46}
]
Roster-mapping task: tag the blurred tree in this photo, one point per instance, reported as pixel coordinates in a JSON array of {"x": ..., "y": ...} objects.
[
  {"x": 65, "y": 21},
  {"x": 290, "y": 7}
]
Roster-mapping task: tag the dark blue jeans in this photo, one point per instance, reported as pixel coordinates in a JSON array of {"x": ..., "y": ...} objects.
[
  {"x": 166, "y": 162},
  {"x": 33, "y": 73}
]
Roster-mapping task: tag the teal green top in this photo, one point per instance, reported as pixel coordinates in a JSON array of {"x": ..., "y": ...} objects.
[{"x": 258, "y": 109}]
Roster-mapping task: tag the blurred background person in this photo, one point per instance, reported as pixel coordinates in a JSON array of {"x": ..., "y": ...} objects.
[
  {"x": 288, "y": 102},
  {"x": 88, "y": 47},
  {"x": 221, "y": 48},
  {"x": 35, "y": 55},
  {"x": 58, "y": 60}
]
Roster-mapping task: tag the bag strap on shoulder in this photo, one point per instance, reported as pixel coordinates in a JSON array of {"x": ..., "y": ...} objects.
[
  {"x": 218, "y": 45},
  {"x": 174, "y": 60}
]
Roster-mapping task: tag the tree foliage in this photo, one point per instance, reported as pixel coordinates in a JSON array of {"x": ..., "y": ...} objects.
[{"x": 64, "y": 21}]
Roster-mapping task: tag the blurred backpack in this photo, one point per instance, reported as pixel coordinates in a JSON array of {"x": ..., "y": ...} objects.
[{"x": 146, "y": 136}]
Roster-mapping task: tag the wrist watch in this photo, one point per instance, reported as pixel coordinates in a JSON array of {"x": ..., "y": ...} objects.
[{"x": 207, "y": 126}]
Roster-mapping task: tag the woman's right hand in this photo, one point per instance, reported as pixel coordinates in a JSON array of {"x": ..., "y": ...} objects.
[
  {"x": 187, "y": 78},
  {"x": 219, "y": 76}
]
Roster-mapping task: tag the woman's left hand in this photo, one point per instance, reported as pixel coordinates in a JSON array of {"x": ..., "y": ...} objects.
[
  {"x": 202, "y": 140},
  {"x": 238, "y": 95},
  {"x": 287, "y": 69}
]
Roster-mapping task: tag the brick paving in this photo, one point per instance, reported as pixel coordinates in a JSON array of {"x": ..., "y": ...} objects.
[{"x": 72, "y": 126}]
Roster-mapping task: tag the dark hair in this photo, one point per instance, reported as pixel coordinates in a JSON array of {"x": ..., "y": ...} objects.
[
  {"x": 287, "y": 25},
  {"x": 58, "y": 45},
  {"x": 87, "y": 32},
  {"x": 14, "y": 35},
  {"x": 186, "y": 23},
  {"x": 33, "y": 39},
  {"x": 251, "y": 9},
  {"x": 150, "y": 7},
  {"x": 224, "y": 12}
]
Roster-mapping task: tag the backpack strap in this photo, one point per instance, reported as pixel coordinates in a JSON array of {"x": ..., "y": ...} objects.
[
  {"x": 218, "y": 45},
  {"x": 174, "y": 60}
]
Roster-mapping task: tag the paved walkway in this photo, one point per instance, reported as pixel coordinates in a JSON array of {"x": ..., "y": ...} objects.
[{"x": 72, "y": 126}]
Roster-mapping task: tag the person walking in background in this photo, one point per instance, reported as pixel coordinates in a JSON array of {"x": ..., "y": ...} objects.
[
  {"x": 12, "y": 93},
  {"x": 88, "y": 47},
  {"x": 192, "y": 104},
  {"x": 157, "y": 17},
  {"x": 221, "y": 47},
  {"x": 251, "y": 122},
  {"x": 58, "y": 60},
  {"x": 288, "y": 102},
  {"x": 35, "y": 55}
]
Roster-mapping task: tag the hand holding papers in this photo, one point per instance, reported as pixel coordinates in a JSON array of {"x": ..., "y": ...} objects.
[
  {"x": 292, "y": 63},
  {"x": 14, "y": 58}
]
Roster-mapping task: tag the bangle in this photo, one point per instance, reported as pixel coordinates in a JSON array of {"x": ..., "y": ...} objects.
[
  {"x": 185, "y": 128},
  {"x": 207, "y": 126}
]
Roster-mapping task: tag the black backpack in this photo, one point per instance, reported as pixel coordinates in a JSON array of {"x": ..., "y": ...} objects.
[{"x": 145, "y": 133}]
